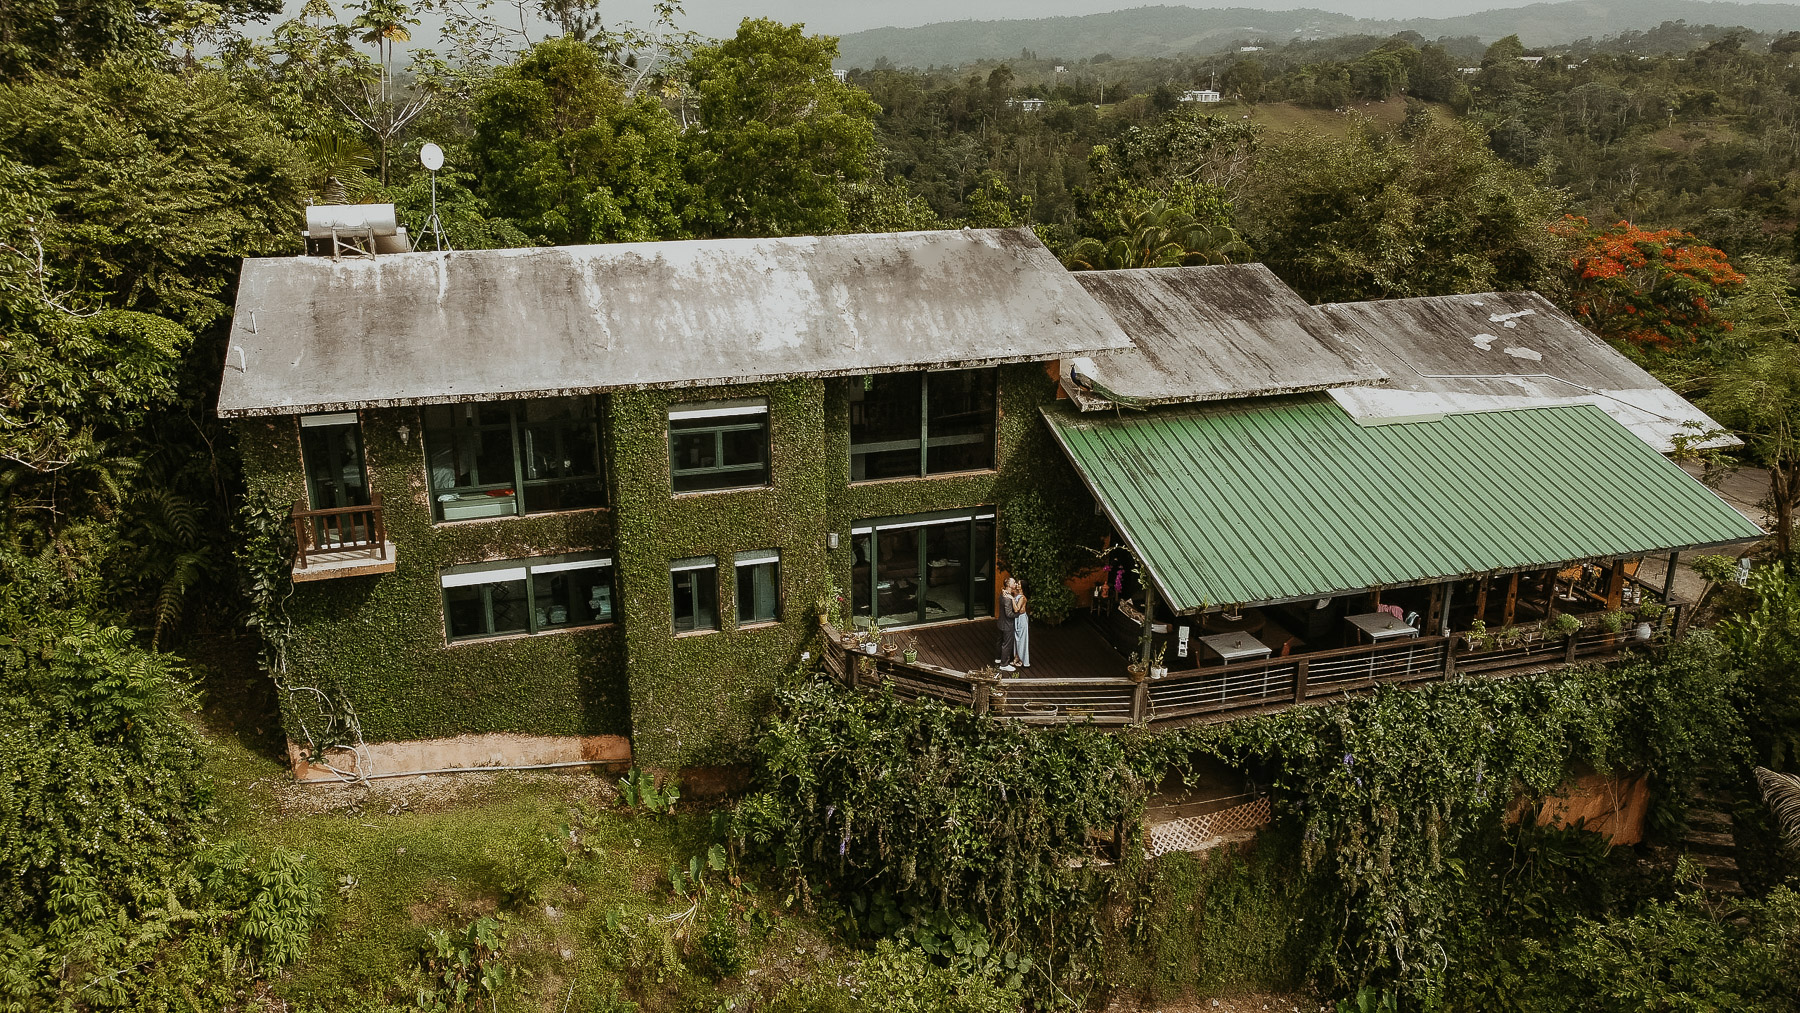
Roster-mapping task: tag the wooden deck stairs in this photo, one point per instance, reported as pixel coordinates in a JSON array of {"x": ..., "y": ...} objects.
[{"x": 1708, "y": 839}]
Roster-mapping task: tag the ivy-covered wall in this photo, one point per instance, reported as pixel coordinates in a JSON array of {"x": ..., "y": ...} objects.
[{"x": 377, "y": 642}]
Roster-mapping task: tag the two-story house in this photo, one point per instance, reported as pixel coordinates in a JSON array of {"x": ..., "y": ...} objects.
[
  {"x": 564, "y": 498},
  {"x": 588, "y": 503}
]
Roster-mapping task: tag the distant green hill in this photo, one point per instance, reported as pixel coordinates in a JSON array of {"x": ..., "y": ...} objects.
[{"x": 1164, "y": 31}]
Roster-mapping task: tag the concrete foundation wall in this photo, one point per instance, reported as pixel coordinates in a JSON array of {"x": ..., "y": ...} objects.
[{"x": 463, "y": 752}]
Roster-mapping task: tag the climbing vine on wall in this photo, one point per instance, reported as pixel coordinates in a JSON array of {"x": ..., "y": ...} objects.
[{"x": 1377, "y": 798}]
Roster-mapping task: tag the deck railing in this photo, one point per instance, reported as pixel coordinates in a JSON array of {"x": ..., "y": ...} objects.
[
  {"x": 339, "y": 529},
  {"x": 1206, "y": 693}
]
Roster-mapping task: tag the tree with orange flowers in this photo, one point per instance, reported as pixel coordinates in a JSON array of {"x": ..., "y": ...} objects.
[{"x": 1657, "y": 288}]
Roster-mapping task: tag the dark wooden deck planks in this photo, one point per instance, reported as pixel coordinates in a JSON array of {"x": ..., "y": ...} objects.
[{"x": 1074, "y": 650}]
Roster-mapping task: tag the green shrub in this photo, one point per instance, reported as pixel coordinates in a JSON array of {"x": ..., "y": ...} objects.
[
  {"x": 102, "y": 772},
  {"x": 899, "y": 979}
]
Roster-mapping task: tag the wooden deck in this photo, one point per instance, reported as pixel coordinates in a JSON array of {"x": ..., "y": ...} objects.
[{"x": 1073, "y": 650}]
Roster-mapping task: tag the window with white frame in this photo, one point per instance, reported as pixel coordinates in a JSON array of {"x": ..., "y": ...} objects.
[
  {"x": 527, "y": 596},
  {"x": 758, "y": 586},
  {"x": 694, "y": 584},
  {"x": 718, "y": 445}
]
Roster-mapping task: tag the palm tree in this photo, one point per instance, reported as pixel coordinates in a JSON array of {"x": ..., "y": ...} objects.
[{"x": 1160, "y": 236}]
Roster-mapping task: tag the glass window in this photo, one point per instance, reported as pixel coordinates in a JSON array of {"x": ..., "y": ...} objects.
[
  {"x": 922, "y": 569},
  {"x": 331, "y": 450},
  {"x": 485, "y": 604},
  {"x": 909, "y": 424},
  {"x": 959, "y": 421},
  {"x": 531, "y": 596},
  {"x": 560, "y": 444},
  {"x": 862, "y": 582},
  {"x": 885, "y": 426},
  {"x": 695, "y": 583},
  {"x": 758, "y": 587},
  {"x": 718, "y": 445},
  {"x": 481, "y": 456}
]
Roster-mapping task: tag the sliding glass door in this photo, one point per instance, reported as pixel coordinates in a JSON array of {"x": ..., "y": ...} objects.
[{"x": 923, "y": 569}]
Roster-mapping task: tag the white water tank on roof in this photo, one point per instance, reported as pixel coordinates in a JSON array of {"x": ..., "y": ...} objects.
[{"x": 362, "y": 219}]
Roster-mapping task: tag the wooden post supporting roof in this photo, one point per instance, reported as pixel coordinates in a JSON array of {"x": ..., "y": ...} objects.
[
  {"x": 1481, "y": 590},
  {"x": 1669, "y": 577},
  {"x": 1615, "y": 584},
  {"x": 1512, "y": 599}
]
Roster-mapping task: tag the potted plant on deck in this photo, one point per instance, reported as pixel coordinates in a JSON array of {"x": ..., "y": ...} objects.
[
  {"x": 911, "y": 655},
  {"x": 1478, "y": 638},
  {"x": 1561, "y": 626}
]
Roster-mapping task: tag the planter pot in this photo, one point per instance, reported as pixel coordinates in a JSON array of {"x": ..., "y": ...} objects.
[
  {"x": 1159, "y": 672},
  {"x": 1643, "y": 632},
  {"x": 871, "y": 649},
  {"x": 1134, "y": 673},
  {"x": 911, "y": 657}
]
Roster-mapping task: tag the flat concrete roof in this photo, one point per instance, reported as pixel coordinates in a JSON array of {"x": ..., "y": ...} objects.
[
  {"x": 1501, "y": 350},
  {"x": 316, "y": 334},
  {"x": 1210, "y": 333}
]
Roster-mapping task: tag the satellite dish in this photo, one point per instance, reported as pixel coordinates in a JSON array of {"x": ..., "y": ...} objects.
[{"x": 431, "y": 156}]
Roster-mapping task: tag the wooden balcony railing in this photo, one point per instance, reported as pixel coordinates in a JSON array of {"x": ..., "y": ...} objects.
[
  {"x": 339, "y": 530},
  {"x": 1216, "y": 691}
]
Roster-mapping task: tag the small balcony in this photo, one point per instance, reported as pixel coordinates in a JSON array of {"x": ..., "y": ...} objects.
[{"x": 341, "y": 541}]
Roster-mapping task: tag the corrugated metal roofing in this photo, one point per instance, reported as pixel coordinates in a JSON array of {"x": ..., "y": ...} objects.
[
  {"x": 1495, "y": 350},
  {"x": 314, "y": 334},
  {"x": 1224, "y": 331},
  {"x": 1290, "y": 498}
]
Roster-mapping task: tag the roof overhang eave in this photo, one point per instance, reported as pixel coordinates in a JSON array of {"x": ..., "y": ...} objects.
[
  {"x": 1741, "y": 543},
  {"x": 1087, "y": 402},
  {"x": 260, "y": 411}
]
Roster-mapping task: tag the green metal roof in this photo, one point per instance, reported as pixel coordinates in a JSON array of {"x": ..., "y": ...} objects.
[{"x": 1287, "y": 498}]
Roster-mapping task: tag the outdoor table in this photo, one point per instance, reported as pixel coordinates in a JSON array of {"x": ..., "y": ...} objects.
[
  {"x": 1232, "y": 647},
  {"x": 1379, "y": 626},
  {"x": 1236, "y": 646}
]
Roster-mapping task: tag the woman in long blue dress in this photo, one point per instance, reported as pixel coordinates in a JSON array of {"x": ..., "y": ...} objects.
[{"x": 1021, "y": 626}]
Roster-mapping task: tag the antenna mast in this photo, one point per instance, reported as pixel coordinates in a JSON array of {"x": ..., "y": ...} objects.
[{"x": 432, "y": 158}]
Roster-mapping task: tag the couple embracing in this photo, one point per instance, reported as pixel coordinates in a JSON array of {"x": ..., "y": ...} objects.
[{"x": 1014, "y": 628}]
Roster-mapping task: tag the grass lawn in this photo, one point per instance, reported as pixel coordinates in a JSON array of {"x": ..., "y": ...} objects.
[{"x": 581, "y": 888}]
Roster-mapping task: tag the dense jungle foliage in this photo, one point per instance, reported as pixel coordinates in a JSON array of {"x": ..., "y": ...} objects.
[{"x": 913, "y": 858}]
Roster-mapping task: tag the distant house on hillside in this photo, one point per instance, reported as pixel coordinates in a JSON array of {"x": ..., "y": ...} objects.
[
  {"x": 1026, "y": 105},
  {"x": 1200, "y": 95}
]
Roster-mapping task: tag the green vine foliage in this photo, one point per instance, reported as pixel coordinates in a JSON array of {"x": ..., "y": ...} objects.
[
  {"x": 372, "y": 648},
  {"x": 1767, "y": 636},
  {"x": 102, "y": 773},
  {"x": 1383, "y": 802},
  {"x": 894, "y": 812}
]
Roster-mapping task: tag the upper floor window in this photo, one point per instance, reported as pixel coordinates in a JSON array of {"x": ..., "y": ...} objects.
[
  {"x": 718, "y": 445},
  {"x": 903, "y": 425},
  {"x": 527, "y": 596},
  {"x": 520, "y": 457}
]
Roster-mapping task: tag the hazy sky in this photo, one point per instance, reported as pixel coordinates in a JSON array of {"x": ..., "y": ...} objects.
[{"x": 837, "y": 17}]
